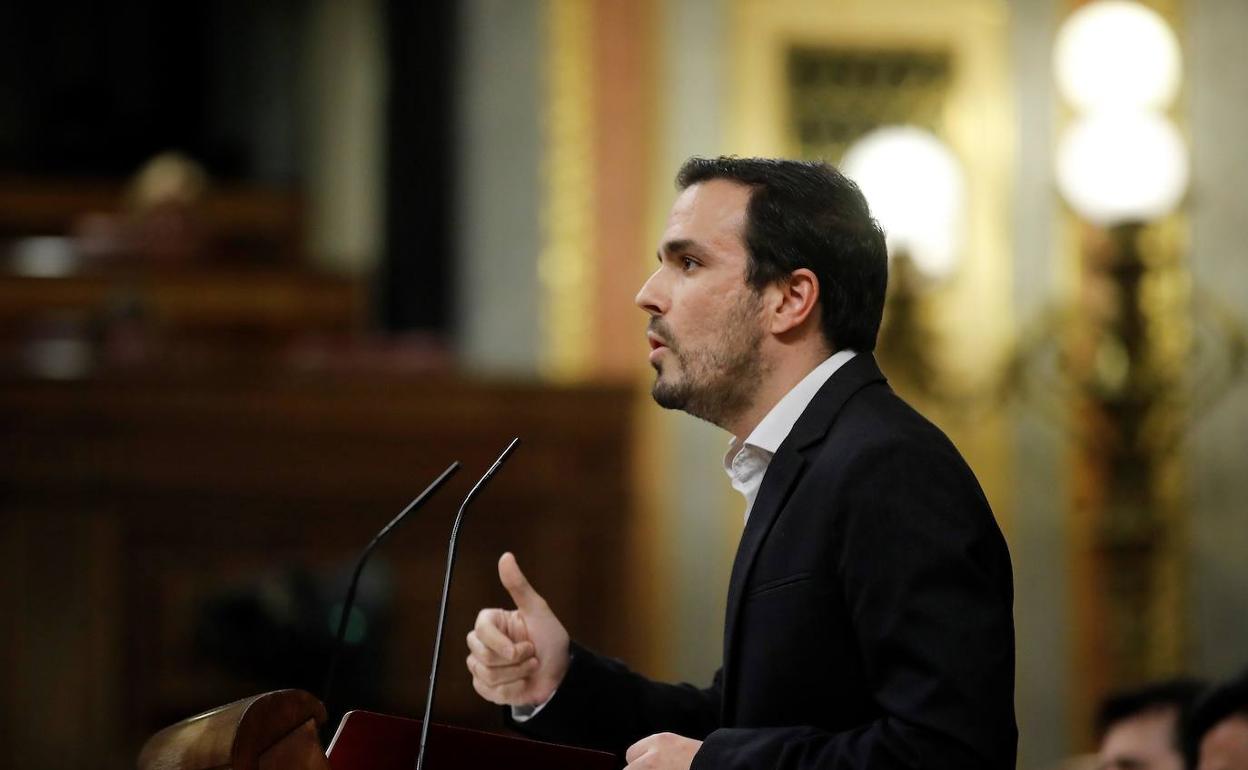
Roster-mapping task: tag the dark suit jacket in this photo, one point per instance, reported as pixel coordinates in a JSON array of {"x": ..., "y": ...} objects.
[{"x": 869, "y": 620}]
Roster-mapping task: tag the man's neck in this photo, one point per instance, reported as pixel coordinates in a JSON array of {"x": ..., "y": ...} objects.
[{"x": 783, "y": 377}]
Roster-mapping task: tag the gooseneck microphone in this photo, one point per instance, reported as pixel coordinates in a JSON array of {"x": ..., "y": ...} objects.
[
  {"x": 446, "y": 592},
  {"x": 359, "y": 569}
]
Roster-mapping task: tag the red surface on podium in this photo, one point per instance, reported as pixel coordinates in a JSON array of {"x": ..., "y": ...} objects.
[{"x": 370, "y": 741}]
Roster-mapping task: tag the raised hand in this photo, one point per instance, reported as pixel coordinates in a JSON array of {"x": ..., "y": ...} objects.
[{"x": 517, "y": 657}]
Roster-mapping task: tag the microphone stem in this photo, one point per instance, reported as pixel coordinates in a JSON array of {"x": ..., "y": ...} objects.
[
  {"x": 345, "y": 614},
  {"x": 349, "y": 602},
  {"x": 437, "y": 643},
  {"x": 446, "y": 593}
]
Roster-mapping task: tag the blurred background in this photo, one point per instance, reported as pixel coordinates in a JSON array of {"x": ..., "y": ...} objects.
[{"x": 267, "y": 267}]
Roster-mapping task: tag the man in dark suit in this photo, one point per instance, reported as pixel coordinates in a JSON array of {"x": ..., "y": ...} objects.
[{"x": 869, "y": 619}]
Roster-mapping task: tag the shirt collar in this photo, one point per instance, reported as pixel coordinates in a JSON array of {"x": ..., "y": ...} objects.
[{"x": 775, "y": 427}]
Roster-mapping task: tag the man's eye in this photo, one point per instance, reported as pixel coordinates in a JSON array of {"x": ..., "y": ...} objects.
[{"x": 687, "y": 264}]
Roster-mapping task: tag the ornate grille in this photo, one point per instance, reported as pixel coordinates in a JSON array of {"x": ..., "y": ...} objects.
[{"x": 837, "y": 95}]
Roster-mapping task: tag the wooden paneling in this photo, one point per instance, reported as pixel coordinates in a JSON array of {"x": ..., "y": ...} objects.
[{"x": 128, "y": 503}]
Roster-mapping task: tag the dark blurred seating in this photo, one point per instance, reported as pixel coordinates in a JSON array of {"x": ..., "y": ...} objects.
[
  {"x": 76, "y": 325},
  {"x": 164, "y": 271},
  {"x": 242, "y": 224}
]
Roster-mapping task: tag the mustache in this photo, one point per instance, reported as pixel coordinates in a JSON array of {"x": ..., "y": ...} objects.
[{"x": 659, "y": 327}]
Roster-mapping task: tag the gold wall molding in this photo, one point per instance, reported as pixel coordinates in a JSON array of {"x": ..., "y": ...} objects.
[{"x": 565, "y": 264}]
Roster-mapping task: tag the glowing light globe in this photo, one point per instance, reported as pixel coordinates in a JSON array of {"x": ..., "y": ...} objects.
[
  {"x": 1121, "y": 166},
  {"x": 1117, "y": 54},
  {"x": 916, "y": 190}
]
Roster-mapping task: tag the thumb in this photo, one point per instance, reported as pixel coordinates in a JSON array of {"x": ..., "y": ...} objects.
[{"x": 523, "y": 594}]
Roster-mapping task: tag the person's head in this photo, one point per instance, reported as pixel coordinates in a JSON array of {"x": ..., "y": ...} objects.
[
  {"x": 762, "y": 262},
  {"x": 1216, "y": 734},
  {"x": 1140, "y": 729}
]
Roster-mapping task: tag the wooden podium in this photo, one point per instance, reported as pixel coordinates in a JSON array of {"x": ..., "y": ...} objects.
[{"x": 278, "y": 731}]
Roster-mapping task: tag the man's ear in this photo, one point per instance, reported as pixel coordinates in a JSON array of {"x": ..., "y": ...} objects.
[{"x": 792, "y": 300}]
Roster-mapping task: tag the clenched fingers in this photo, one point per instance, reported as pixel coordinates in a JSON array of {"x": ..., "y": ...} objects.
[
  {"x": 510, "y": 694},
  {"x": 494, "y": 676},
  {"x": 490, "y": 629},
  {"x": 520, "y": 652}
]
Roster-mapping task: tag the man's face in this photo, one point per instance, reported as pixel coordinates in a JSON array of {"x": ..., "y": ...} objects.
[
  {"x": 1145, "y": 741},
  {"x": 705, "y": 327},
  {"x": 1225, "y": 747}
]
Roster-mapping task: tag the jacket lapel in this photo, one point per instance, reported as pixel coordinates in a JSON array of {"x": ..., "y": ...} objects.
[{"x": 785, "y": 469}]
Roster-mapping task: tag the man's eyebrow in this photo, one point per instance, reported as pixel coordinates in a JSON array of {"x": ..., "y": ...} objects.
[{"x": 679, "y": 245}]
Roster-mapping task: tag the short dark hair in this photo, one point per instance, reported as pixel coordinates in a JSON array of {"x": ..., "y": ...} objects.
[
  {"x": 1178, "y": 694},
  {"x": 808, "y": 214},
  {"x": 1224, "y": 700}
]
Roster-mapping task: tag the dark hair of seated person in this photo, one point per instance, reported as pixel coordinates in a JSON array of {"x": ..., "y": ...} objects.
[
  {"x": 1179, "y": 694},
  {"x": 1221, "y": 701}
]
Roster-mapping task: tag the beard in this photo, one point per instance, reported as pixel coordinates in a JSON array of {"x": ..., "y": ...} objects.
[{"x": 719, "y": 381}]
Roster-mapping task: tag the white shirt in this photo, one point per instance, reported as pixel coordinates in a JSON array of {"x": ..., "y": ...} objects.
[{"x": 746, "y": 461}]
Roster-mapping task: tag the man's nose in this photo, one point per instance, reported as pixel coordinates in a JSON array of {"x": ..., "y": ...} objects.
[{"x": 650, "y": 297}]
